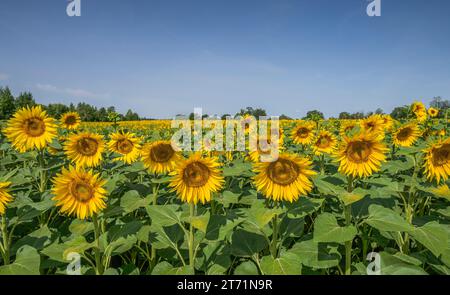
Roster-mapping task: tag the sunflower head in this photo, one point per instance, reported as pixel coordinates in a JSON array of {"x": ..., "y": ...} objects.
[
  {"x": 406, "y": 135},
  {"x": 373, "y": 124},
  {"x": 160, "y": 157},
  {"x": 419, "y": 110},
  {"x": 285, "y": 179},
  {"x": 79, "y": 192},
  {"x": 71, "y": 120},
  {"x": 196, "y": 178},
  {"x": 5, "y": 197},
  {"x": 348, "y": 126},
  {"x": 324, "y": 143},
  {"x": 303, "y": 133},
  {"x": 361, "y": 154},
  {"x": 265, "y": 150},
  {"x": 432, "y": 112},
  {"x": 30, "y": 128},
  {"x": 126, "y": 145},
  {"x": 85, "y": 149},
  {"x": 437, "y": 160}
]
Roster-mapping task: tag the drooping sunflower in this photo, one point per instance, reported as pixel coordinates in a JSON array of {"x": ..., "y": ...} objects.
[
  {"x": 324, "y": 143},
  {"x": 5, "y": 197},
  {"x": 437, "y": 160},
  {"x": 79, "y": 192},
  {"x": 127, "y": 145},
  {"x": 303, "y": 133},
  {"x": 361, "y": 154},
  {"x": 285, "y": 179},
  {"x": 85, "y": 149},
  {"x": 71, "y": 120},
  {"x": 406, "y": 135},
  {"x": 432, "y": 112},
  {"x": 195, "y": 178},
  {"x": 159, "y": 157},
  {"x": 30, "y": 128},
  {"x": 388, "y": 122}
]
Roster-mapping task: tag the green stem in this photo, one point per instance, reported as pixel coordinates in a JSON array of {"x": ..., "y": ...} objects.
[
  {"x": 5, "y": 240},
  {"x": 98, "y": 259},
  {"x": 154, "y": 202},
  {"x": 42, "y": 173},
  {"x": 348, "y": 221},
  {"x": 322, "y": 164},
  {"x": 191, "y": 235},
  {"x": 274, "y": 244}
]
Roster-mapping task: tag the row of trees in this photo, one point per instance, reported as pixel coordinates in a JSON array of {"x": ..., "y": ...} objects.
[{"x": 9, "y": 104}]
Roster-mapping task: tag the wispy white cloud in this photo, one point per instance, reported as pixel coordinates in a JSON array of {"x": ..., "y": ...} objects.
[
  {"x": 73, "y": 92},
  {"x": 4, "y": 76}
]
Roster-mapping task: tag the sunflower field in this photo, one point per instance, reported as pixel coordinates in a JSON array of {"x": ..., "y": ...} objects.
[{"x": 343, "y": 197}]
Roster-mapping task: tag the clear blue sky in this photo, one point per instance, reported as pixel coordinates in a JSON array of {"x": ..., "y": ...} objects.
[{"x": 163, "y": 57}]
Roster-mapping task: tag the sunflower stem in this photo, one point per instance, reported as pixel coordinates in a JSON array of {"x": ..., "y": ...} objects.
[
  {"x": 42, "y": 173},
  {"x": 5, "y": 239},
  {"x": 154, "y": 202},
  {"x": 191, "y": 235},
  {"x": 98, "y": 258},
  {"x": 274, "y": 244},
  {"x": 348, "y": 220}
]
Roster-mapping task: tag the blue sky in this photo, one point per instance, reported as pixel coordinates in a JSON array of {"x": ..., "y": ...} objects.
[{"x": 163, "y": 57}]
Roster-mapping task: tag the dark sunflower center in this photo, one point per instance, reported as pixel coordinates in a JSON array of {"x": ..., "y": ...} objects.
[
  {"x": 359, "y": 151},
  {"x": 404, "y": 134},
  {"x": 303, "y": 132},
  {"x": 161, "y": 153},
  {"x": 196, "y": 174},
  {"x": 441, "y": 156},
  {"x": 71, "y": 120},
  {"x": 283, "y": 172},
  {"x": 82, "y": 191},
  {"x": 34, "y": 127},
  {"x": 87, "y": 146},
  {"x": 124, "y": 146},
  {"x": 324, "y": 142}
]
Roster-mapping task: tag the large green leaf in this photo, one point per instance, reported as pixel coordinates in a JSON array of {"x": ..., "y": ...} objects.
[
  {"x": 287, "y": 264},
  {"x": 246, "y": 268},
  {"x": 164, "y": 215},
  {"x": 27, "y": 263},
  {"x": 326, "y": 229},
  {"x": 316, "y": 255},
  {"x": 131, "y": 201},
  {"x": 433, "y": 236},
  {"x": 245, "y": 244},
  {"x": 385, "y": 219}
]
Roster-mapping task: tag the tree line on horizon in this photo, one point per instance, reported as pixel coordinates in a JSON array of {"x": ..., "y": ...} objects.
[{"x": 89, "y": 113}]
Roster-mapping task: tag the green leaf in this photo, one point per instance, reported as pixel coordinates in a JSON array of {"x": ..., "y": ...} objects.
[
  {"x": 392, "y": 265},
  {"x": 385, "y": 219},
  {"x": 164, "y": 215},
  {"x": 245, "y": 244},
  {"x": 131, "y": 201},
  {"x": 326, "y": 229},
  {"x": 165, "y": 268},
  {"x": 316, "y": 255},
  {"x": 27, "y": 263},
  {"x": 286, "y": 264},
  {"x": 246, "y": 268},
  {"x": 433, "y": 236}
]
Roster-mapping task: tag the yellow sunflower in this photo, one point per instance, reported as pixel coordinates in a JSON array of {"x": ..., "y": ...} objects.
[
  {"x": 195, "y": 178},
  {"x": 5, "y": 197},
  {"x": 324, "y": 143},
  {"x": 361, "y": 155},
  {"x": 159, "y": 157},
  {"x": 432, "y": 112},
  {"x": 71, "y": 120},
  {"x": 419, "y": 110},
  {"x": 30, "y": 128},
  {"x": 78, "y": 192},
  {"x": 388, "y": 122},
  {"x": 85, "y": 149},
  {"x": 127, "y": 145},
  {"x": 263, "y": 148},
  {"x": 285, "y": 179},
  {"x": 406, "y": 135},
  {"x": 347, "y": 126},
  {"x": 303, "y": 133},
  {"x": 374, "y": 124},
  {"x": 437, "y": 160}
]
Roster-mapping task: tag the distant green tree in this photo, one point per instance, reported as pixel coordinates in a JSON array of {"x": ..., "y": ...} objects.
[
  {"x": 284, "y": 117},
  {"x": 379, "y": 111},
  {"x": 131, "y": 116},
  {"x": 7, "y": 106},
  {"x": 400, "y": 112},
  {"x": 102, "y": 115},
  {"x": 25, "y": 99},
  {"x": 344, "y": 115},
  {"x": 314, "y": 115},
  {"x": 56, "y": 110},
  {"x": 258, "y": 112},
  {"x": 87, "y": 112}
]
